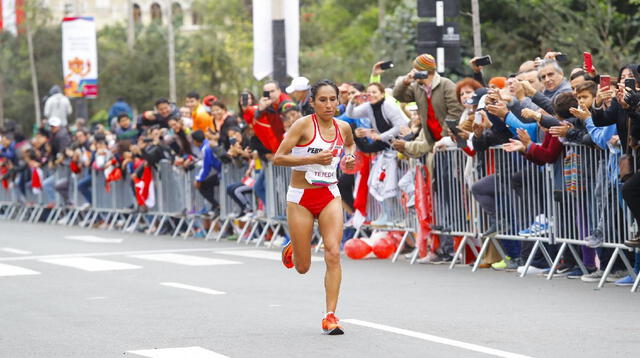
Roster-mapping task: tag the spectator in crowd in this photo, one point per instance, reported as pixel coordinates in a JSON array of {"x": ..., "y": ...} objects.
[
  {"x": 158, "y": 118},
  {"x": 124, "y": 129},
  {"x": 436, "y": 100},
  {"x": 222, "y": 121},
  {"x": 385, "y": 116},
  {"x": 299, "y": 90},
  {"x": 622, "y": 112},
  {"x": 185, "y": 116},
  {"x": 552, "y": 77},
  {"x": 247, "y": 106},
  {"x": 59, "y": 141},
  {"x": 202, "y": 120},
  {"x": 207, "y": 179},
  {"x": 268, "y": 117},
  {"x": 117, "y": 108},
  {"x": 57, "y": 105},
  {"x": 291, "y": 114}
]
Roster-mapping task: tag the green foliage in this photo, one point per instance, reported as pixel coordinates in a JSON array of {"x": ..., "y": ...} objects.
[
  {"x": 340, "y": 39},
  {"x": 101, "y": 117}
]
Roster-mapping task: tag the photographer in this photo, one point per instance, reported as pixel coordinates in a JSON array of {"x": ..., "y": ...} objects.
[{"x": 436, "y": 100}]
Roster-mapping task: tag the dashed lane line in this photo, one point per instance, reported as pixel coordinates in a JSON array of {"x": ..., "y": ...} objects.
[{"x": 183, "y": 286}]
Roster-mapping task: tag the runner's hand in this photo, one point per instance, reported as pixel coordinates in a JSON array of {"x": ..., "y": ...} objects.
[
  {"x": 350, "y": 161},
  {"x": 323, "y": 158}
]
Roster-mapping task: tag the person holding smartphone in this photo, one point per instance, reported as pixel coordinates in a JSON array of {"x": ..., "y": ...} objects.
[
  {"x": 436, "y": 99},
  {"x": 313, "y": 148},
  {"x": 385, "y": 116},
  {"x": 623, "y": 112},
  {"x": 269, "y": 114}
]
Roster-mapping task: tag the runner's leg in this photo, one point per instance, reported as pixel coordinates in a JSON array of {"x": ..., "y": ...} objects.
[
  {"x": 300, "y": 222},
  {"x": 330, "y": 222}
]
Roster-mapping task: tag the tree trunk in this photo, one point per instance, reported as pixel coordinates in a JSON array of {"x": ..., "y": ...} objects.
[
  {"x": 172, "y": 53},
  {"x": 34, "y": 75},
  {"x": 477, "y": 40}
]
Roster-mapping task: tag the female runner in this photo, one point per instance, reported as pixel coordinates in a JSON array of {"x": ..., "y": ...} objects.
[{"x": 313, "y": 147}]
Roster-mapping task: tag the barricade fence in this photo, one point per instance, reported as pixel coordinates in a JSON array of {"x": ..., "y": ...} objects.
[{"x": 538, "y": 212}]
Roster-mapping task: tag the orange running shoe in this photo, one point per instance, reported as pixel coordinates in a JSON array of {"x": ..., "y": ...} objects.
[
  {"x": 287, "y": 255},
  {"x": 330, "y": 325}
]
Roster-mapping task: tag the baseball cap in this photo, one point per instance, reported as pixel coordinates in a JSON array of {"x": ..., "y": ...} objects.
[
  {"x": 298, "y": 84},
  {"x": 475, "y": 98},
  {"x": 55, "y": 122}
]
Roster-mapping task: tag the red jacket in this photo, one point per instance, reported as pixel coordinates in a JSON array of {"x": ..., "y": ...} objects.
[
  {"x": 273, "y": 116},
  {"x": 548, "y": 152}
]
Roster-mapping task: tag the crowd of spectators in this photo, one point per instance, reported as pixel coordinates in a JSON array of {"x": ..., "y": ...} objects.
[{"x": 534, "y": 111}]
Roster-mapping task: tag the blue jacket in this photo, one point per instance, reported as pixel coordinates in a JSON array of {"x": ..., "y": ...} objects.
[
  {"x": 9, "y": 152},
  {"x": 209, "y": 161},
  {"x": 601, "y": 136},
  {"x": 513, "y": 122}
]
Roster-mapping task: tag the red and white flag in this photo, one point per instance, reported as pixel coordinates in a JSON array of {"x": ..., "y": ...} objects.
[
  {"x": 11, "y": 15},
  {"x": 361, "y": 192},
  {"x": 145, "y": 189},
  {"x": 36, "y": 180}
]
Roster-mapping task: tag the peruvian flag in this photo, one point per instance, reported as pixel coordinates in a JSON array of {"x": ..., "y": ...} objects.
[
  {"x": 36, "y": 180},
  {"x": 11, "y": 15},
  {"x": 145, "y": 190},
  {"x": 361, "y": 191},
  {"x": 112, "y": 173}
]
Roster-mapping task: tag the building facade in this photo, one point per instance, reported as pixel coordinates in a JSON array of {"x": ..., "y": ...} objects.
[{"x": 109, "y": 12}]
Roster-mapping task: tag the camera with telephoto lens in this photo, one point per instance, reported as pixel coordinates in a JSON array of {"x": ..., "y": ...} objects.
[{"x": 420, "y": 75}]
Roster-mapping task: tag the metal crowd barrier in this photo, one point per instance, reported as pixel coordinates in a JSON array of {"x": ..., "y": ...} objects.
[
  {"x": 591, "y": 200},
  {"x": 574, "y": 196},
  {"x": 275, "y": 216}
]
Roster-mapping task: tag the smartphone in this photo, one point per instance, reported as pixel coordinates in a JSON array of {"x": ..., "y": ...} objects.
[
  {"x": 477, "y": 117},
  {"x": 233, "y": 141},
  {"x": 265, "y": 94},
  {"x": 453, "y": 127},
  {"x": 630, "y": 83},
  {"x": 587, "y": 61},
  {"x": 244, "y": 99},
  {"x": 421, "y": 75},
  {"x": 483, "y": 61},
  {"x": 386, "y": 65},
  {"x": 562, "y": 58},
  {"x": 605, "y": 81},
  {"x": 363, "y": 97}
]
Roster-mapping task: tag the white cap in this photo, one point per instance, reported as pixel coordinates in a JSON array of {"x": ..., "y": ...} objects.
[
  {"x": 298, "y": 84},
  {"x": 55, "y": 122}
]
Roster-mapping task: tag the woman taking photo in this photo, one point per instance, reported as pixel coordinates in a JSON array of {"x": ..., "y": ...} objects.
[
  {"x": 313, "y": 147},
  {"x": 386, "y": 116}
]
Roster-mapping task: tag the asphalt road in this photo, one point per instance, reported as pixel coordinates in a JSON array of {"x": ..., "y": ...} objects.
[{"x": 70, "y": 292}]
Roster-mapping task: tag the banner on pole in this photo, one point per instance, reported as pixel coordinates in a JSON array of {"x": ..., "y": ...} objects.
[
  {"x": 79, "y": 57},
  {"x": 11, "y": 16},
  {"x": 263, "y": 37}
]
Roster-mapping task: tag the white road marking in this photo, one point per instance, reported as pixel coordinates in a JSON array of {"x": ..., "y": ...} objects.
[
  {"x": 91, "y": 264},
  {"x": 261, "y": 254},
  {"x": 93, "y": 239},
  {"x": 16, "y": 251},
  {"x": 10, "y": 270},
  {"x": 192, "y": 288},
  {"x": 436, "y": 339},
  {"x": 114, "y": 253},
  {"x": 191, "y": 352},
  {"x": 188, "y": 260}
]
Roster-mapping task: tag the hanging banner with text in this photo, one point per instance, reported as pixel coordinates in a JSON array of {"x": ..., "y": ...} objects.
[{"x": 79, "y": 57}]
